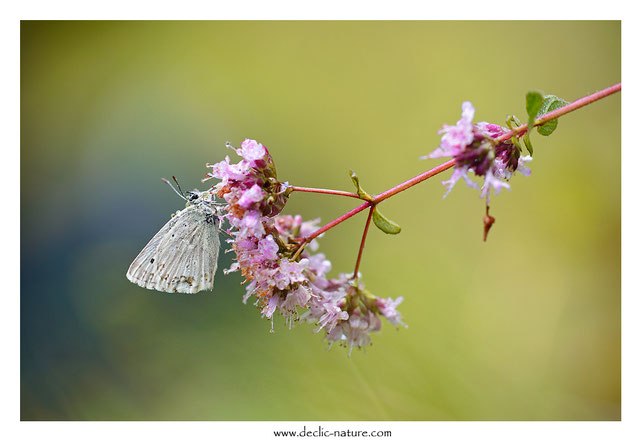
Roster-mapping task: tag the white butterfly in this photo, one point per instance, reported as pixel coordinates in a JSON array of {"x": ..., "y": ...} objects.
[{"x": 182, "y": 256}]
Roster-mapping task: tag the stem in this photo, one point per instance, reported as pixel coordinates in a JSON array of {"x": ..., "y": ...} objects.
[
  {"x": 382, "y": 196},
  {"x": 563, "y": 110},
  {"x": 447, "y": 165},
  {"x": 363, "y": 242},
  {"x": 328, "y": 226},
  {"x": 413, "y": 181},
  {"x": 326, "y": 191}
]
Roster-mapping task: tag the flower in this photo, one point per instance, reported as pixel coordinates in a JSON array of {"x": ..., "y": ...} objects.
[
  {"x": 356, "y": 330},
  {"x": 252, "y": 195},
  {"x": 388, "y": 308},
  {"x": 268, "y": 248},
  {"x": 350, "y": 314},
  {"x": 281, "y": 280},
  {"x": 475, "y": 150},
  {"x": 250, "y": 185},
  {"x": 454, "y": 139}
]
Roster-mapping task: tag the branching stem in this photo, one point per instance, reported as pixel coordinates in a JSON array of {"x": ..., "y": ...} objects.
[
  {"x": 363, "y": 242},
  {"x": 434, "y": 171},
  {"x": 326, "y": 191},
  {"x": 563, "y": 110}
]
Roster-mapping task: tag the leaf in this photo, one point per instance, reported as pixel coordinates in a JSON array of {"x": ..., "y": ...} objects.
[
  {"x": 551, "y": 103},
  {"x": 534, "y": 101},
  {"x": 512, "y": 122},
  {"x": 384, "y": 224},
  {"x": 362, "y": 193},
  {"x": 527, "y": 142}
]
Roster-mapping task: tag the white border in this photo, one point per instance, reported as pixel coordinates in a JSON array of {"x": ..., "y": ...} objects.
[{"x": 628, "y": 429}]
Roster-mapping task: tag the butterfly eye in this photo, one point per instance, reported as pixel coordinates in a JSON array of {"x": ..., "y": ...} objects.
[{"x": 193, "y": 196}]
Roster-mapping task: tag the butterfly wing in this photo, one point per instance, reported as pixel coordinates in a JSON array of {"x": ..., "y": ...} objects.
[{"x": 182, "y": 257}]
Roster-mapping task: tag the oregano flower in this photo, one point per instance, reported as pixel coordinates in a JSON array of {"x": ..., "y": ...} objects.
[
  {"x": 475, "y": 151},
  {"x": 280, "y": 280}
]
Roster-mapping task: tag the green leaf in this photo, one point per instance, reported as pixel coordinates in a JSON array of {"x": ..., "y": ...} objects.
[
  {"x": 551, "y": 103},
  {"x": 384, "y": 224},
  {"x": 362, "y": 193},
  {"x": 527, "y": 142},
  {"x": 512, "y": 122},
  {"x": 534, "y": 101},
  {"x": 547, "y": 128}
]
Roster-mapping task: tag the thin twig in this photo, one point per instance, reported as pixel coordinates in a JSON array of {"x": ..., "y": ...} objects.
[
  {"x": 563, "y": 110},
  {"x": 363, "y": 242},
  {"x": 448, "y": 164},
  {"x": 326, "y": 191}
]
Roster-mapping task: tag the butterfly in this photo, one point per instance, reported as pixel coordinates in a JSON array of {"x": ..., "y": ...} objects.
[{"x": 182, "y": 257}]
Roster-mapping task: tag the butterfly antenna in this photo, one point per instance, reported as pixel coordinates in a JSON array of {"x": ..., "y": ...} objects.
[
  {"x": 179, "y": 186},
  {"x": 174, "y": 189}
]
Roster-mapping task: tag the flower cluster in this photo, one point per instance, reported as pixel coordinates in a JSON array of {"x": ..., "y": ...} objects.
[
  {"x": 474, "y": 150},
  {"x": 278, "y": 275}
]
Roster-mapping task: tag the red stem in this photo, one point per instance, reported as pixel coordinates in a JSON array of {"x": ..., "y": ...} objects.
[
  {"x": 563, "y": 110},
  {"x": 413, "y": 181},
  {"x": 447, "y": 165},
  {"x": 363, "y": 242},
  {"x": 382, "y": 196},
  {"x": 330, "y": 225}
]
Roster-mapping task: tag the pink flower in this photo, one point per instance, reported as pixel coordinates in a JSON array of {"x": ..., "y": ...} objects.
[
  {"x": 271, "y": 307},
  {"x": 388, "y": 308},
  {"x": 319, "y": 265},
  {"x": 250, "y": 224},
  {"x": 454, "y": 139},
  {"x": 268, "y": 248},
  {"x": 521, "y": 168},
  {"x": 265, "y": 243},
  {"x": 474, "y": 151},
  {"x": 253, "y": 195},
  {"x": 332, "y": 314},
  {"x": 298, "y": 297},
  {"x": 457, "y": 174},
  {"x": 289, "y": 272},
  {"x": 357, "y": 329},
  {"x": 491, "y": 181},
  {"x": 225, "y": 171},
  {"x": 252, "y": 150}
]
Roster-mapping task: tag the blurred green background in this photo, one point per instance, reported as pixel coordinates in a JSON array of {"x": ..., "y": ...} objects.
[{"x": 523, "y": 327}]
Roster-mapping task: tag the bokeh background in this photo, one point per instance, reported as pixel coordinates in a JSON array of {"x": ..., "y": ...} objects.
[{"x": 523, "y": 327}]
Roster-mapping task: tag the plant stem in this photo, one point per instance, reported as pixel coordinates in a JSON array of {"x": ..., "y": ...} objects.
[
  {"x": 328, "y": 226},
  {"x": 563, "y": 111},
  {"x": 363, "y": 242},
  {"x": 378, "y": 198},
  {"x": 326, "y": 191},
  {"x": 413, "y": 181},
  {"x": 442, "y": 167}
]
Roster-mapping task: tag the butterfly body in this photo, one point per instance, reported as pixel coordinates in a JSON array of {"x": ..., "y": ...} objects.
[{"x": 182, "y": 257}]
